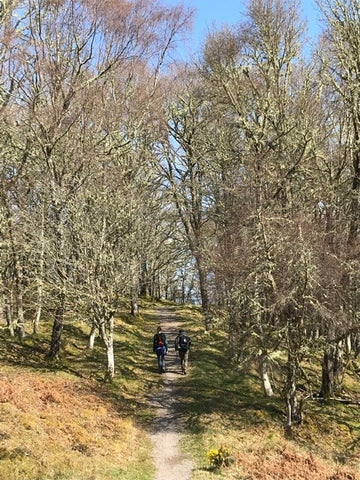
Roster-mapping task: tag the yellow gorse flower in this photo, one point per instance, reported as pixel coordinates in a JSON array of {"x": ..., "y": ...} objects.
[{"x": 219, "y": 457}]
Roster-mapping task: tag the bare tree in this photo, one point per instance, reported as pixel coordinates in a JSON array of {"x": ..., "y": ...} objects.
[
  {"x": 339, "y": 69},
  {"x": 184, "y": 169},
  {"x": 265, "y": 95},
  {"x": 67, "y": 55}
]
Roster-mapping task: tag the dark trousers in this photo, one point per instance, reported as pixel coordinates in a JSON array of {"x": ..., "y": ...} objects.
[{"x": 160, "y": 353}]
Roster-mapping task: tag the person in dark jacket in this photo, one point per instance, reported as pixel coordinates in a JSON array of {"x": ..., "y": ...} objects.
[
  {"x": 160, "y": 347},
  {"x": 182, "y": 345}
]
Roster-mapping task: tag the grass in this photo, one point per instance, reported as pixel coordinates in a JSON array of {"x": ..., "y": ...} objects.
[
  {"x": 61, "y": 421},
  {"x": 55, "y": 427},
  {"x": 225, "y": 407}
]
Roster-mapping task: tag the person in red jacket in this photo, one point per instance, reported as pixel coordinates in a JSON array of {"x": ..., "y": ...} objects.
[{"x": 160, "y": 347}]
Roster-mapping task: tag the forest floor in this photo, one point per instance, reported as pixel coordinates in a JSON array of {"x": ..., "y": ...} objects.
[{"x": 60, "y": 421}]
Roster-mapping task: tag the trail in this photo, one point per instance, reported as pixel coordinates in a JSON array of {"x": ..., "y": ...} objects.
[{"x": 169, "y": 461}]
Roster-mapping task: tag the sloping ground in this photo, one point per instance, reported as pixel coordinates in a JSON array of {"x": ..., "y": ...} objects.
[
  {"x": 53, "y": 428},
  {"x": 259, "y": 454},
  {"x": 225, "y": 407},
  {"x": 288, "y": 463}
]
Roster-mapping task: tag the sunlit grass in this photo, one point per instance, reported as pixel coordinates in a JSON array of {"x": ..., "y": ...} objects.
[
  {"x": 60, "y": 420},
  {"x": 59, "y": 428},
  {"x": 225, "y": 407}
]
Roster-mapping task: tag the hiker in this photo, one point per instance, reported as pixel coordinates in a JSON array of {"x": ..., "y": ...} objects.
[
  {"x": 160, "y": 347},
  {"x": 182, "y": 345}
]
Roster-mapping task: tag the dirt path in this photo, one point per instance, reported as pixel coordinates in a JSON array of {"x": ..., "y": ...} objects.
[{"x": 169, "y": 461}]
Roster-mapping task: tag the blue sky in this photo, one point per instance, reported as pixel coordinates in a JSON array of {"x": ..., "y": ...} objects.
[{"x": 218, "y": 12}]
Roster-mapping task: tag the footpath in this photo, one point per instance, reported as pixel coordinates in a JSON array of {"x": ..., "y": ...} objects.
[{"x": 166, "y": 437}]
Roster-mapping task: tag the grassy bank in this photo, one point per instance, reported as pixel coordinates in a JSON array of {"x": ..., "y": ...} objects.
[
  {"x": 60, "y": 420},
  {"x": 225, "y": 409}
]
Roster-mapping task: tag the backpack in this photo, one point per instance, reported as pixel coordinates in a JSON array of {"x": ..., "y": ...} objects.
[
  {"x": 160, "y": 340},
  {"x": 184, "y": 343}
]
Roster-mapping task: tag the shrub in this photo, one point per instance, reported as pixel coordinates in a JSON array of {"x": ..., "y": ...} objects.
[{"x": 218, "y": 458}]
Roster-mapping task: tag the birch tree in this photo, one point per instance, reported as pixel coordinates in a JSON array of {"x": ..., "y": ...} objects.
[
  {"x": 342, "y": 68},
  {"x": 265, "y": 93},
  {"x": 67, "y": 54},
  {"x": 183, "y": 167},
  {"x": 338, "y": 71}
]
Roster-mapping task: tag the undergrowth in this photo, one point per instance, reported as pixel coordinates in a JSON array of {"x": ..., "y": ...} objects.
[
  {"x": 226, "y": 411},
  {"x": 60, "y": 420}
]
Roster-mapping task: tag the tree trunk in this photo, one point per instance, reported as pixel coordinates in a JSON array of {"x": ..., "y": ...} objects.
[
  {"x": 264, "y": 374},
  {"x": 356, "y": 345},
  {"x": 17, "y": 307},
  {"x": 37, "y": 317},
  {"x": 331, "y": 365},
  {"x": 182, "y": 289},
  {"x": 55, "y": 344},
  {"x": 144, "y": 284},
  {"x": 293, "y": 405},
  {"x": 354, "y": 205},
  {"x": 9, "y": 314},
  {"x": 107, "y": 334},
  {"x": 60, "y": 269},
  {"x": 9, "y": 321},
  {"x": 203, "y": 287},
  {"x": 134, "y": 307},
  {"x": 233, "y": 328},
  {"x": 349, "y": 344},
  {"x": 110, "y": 372},
  {"x": 315, "y": 334},
  {"x": 92, "y": 336},
  {"x": 205, "y": 302},
  {"x": 157, "y": 287},
  {"x": 20, "y": 331},
  {"x": 20, "y": 306}
]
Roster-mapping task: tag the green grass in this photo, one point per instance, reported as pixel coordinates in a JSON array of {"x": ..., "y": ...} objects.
[
  {"x": 225, "y": 406},
  {"x": 62, "y": 421}
]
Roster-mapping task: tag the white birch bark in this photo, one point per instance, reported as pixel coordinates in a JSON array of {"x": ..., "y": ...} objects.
[
  {"x": 92, "y": 337},
  {"x": 107, "y": 334},
  {"x": 264, "y": 374},
  {"x": 37, "y": 317}
]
